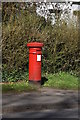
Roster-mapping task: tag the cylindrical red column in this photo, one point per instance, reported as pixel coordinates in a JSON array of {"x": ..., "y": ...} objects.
[{"x": 35, "y": 61}]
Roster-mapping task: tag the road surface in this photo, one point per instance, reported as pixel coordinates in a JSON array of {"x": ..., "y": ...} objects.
[{"x": 45, "y": 103}]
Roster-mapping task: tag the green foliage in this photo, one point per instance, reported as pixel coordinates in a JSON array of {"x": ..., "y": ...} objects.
[
  {"x": 59, "y": 80},
  {"x": 14, "y": 76},
  {"x": 61, "y": 50},
  {"x": 62, "y": 80}
]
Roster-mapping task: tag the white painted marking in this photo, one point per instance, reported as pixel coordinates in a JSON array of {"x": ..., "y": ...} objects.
[{"x": 38, "y": 57}]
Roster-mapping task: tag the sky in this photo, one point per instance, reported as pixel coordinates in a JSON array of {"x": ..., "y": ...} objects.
[{"x": 76, "y": 7}]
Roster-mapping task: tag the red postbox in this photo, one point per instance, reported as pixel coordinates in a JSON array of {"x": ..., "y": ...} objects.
[{"x": 35, "y": 61}]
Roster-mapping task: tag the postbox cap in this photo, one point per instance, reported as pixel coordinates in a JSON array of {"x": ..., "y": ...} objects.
[{"x": 34, "y": 44}]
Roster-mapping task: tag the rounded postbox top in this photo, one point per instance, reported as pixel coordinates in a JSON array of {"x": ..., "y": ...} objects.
[{"x": 34, "y": 44}]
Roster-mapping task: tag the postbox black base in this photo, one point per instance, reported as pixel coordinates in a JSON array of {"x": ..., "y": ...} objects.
[{"x": 35, "y": 82}]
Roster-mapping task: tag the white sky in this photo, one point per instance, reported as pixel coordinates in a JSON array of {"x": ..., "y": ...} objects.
[{"x": 76, "y": 7}]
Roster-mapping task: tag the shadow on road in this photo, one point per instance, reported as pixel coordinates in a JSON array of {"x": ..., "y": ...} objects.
[{"x": 53, "y": 104}]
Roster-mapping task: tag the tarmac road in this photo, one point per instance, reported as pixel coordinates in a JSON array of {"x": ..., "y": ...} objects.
[{"x": 46, "y": 103}]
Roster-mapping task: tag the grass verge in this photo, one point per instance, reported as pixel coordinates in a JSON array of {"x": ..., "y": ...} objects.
[
  {"x": 59, "y": 80},
  {"x": 18, "y": 87},
  {"x": 62, "y": 80}
]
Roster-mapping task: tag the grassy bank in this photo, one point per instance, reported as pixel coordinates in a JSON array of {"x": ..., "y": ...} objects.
[
  {"x": 62, "y": 80},
  {"x": 59, "y": 80},
  {"x": 21, "y": 86}
]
